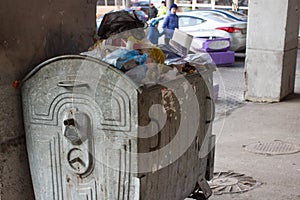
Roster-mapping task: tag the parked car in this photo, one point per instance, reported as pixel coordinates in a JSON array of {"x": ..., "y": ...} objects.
[
  {"x": 228, "y": 13},
  {"x": 208, "y": 25},
  {"x": 143, "y": 5},
  {"x": 141, "y": 15}
]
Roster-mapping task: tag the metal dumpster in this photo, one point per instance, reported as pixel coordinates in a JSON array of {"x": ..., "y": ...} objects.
[{"x": 91, "y": 133}]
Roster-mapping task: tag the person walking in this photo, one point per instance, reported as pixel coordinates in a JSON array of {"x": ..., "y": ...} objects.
[
  {"x": 162, "y": 9},
  {"x": 152, "y": 11},
  {"x": 154, "y": 33},
  {"x": 170, "y": 23}
]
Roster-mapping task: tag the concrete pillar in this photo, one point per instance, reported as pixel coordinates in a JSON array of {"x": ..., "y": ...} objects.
[
  {"x": 169, "y": 3},
  {"x": 32, "y": 31},
  {"x": 271, "y": 49}
]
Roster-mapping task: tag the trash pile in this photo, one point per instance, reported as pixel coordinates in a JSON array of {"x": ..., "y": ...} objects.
[{"x": 123, "y": 43}]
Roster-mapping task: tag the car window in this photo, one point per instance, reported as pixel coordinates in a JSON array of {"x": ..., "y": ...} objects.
[
  {"x": 141, "y": 3},
  {"x": 189, "y": 21},
  {"x": 219, "y": 18},
  {"x": 144, "y": 4},
  {"x": 237, "y": 14},
  {"x": 110, "y": 2}
]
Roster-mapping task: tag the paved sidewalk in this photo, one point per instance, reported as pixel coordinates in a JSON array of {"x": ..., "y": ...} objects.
[{"x": 241, "y": 123}]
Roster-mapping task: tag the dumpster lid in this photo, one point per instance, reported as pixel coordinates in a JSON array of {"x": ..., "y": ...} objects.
[{"x": 80, "y": 57}]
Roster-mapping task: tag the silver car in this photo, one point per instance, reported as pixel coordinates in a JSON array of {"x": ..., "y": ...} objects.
[{"x": 210, "y": 25}]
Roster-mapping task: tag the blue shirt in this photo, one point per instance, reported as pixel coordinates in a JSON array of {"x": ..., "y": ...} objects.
[
  {"x": 169, "y": 25},
  {"x": 153, "y": 35}
]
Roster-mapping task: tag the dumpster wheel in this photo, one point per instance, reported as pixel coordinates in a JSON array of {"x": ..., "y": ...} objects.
[
  {"x": 201, "y": 191},
  {"x": 197, "y": 194}
]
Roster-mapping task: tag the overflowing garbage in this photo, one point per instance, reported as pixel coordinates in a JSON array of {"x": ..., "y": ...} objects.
[{"x": 123, "y": 42}]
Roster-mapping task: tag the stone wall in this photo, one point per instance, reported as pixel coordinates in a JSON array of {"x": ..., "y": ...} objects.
[{"x": 31, "y": 32}]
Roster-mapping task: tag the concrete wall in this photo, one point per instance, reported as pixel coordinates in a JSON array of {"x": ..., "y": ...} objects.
[
  {"x": 271, "y": 49},
  {"x": 31, "y": 32}
]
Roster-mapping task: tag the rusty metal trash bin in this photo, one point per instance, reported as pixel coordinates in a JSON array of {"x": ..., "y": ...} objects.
[{"x": 92, "y": 133}]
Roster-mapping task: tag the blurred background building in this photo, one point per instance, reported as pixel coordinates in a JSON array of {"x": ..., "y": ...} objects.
[{"x": 184, "y": 5}]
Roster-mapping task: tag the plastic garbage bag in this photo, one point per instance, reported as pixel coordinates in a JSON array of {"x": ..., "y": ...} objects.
[
  {"x": 137, "y": 74},
  {"x": 201, "y": 60},
  {"x": 170, "y": 75},
  {"x": 124, "y": 59},
  {"x": 152, "y": 74},
  {"x": 120, "y": 21}
]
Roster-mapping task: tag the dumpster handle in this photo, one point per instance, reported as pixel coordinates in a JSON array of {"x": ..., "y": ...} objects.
[
  {"x": 158, "y": 137},
  {"x": 158, "y": 142},
  {"x": 71, "y": 84},
  {"x": 212, "y": 117}
]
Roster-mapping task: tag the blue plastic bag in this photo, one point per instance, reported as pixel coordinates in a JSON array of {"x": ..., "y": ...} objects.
[{"x": 121, "y": 56}]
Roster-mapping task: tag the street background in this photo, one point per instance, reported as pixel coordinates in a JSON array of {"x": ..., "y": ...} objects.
[{"x": 239, "y": 123}]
